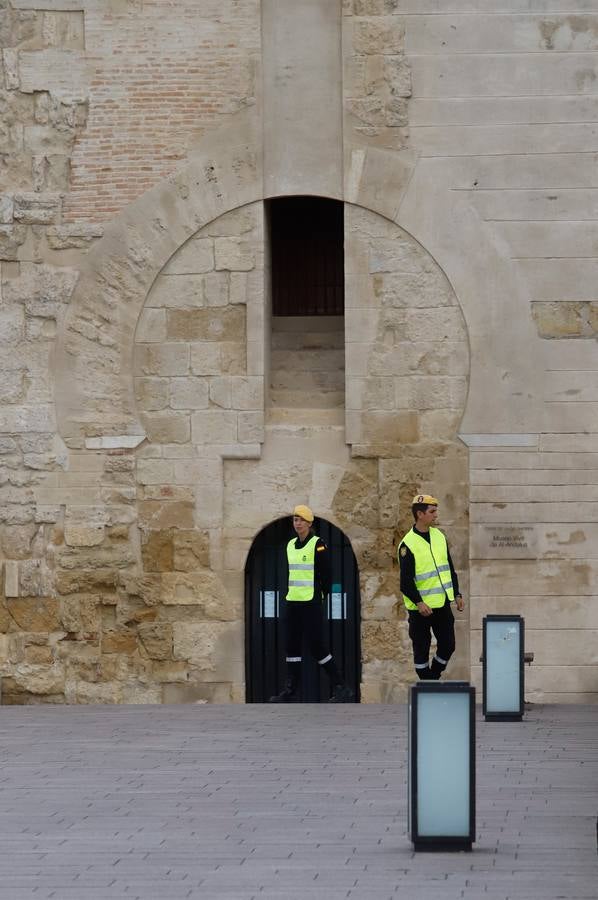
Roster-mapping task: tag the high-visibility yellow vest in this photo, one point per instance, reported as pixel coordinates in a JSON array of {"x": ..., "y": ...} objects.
[
  {"x": 432, "y": 569},
  {"x": 301, "y": 569}
]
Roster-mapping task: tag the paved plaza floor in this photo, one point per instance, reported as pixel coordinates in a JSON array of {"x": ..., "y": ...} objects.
[{"x": 298, "y": 801}]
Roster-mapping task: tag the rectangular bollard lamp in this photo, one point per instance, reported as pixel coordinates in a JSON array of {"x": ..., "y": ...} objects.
[
  {"x": 442, "y": 765},
  {"x": 502, "y": 661}
]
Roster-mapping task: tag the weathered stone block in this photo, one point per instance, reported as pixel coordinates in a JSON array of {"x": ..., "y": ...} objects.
[
  {"x": 194, "y": 257},
  {"x": 162, "y": 359},
  {"x": 42, "y": 289},
  {"x": 84, "y": 692},
  {"x": 40, "y": 679},
  {"x": 206, "y": 358},
  {"x": 79, "y": 534},
  {"x": 169, "y": 671},
  {"x": 369, "y": 110},
  {"x": 39, "y": 655},
  {"x": 178, "y": 291},
  {"x": 232, "y": 224},
  {"x": 16, "y": 541},
  {"x": 211, "y": 647},
  {"x": 10, "y": 60},
  {"x": 51, "y": 172},
  {"x": 156, "y": 640},
  {"x": 250, "y": 428},
  {"x": 383, "y": 36},
  {"x": 119, "y": 642},
  {"x": 191, "y": 550},
  {"x": 35, "y": 614},
  {"x": 357, "y": 496},
  {"x": 166, "y": 428},
  {"x": 11, "y": 326},
  {"x": 89, "y": 580},
  {"x": 35, "y": 579},
  {"x": 64, "y": 72},
  {"x": 136, "y": 693},
  {"x": 200, "y": 588},
  {"x": 37, "y": 209},
  {"x": 559, "y": 319},
  {"x": 248, "y": 393},
  {"x": 11, "y": 238},
  {"x": 159, "y": 515},
  {"x": 233, "y": 357},
  {"x": 73, "y": 237},
  {"x": 157, "y": 551},
  {"x": 221, "y": 393},
  {"x": 151, "y": 327},
  {"x": 12, "y": 385},
  {"x": 234, "y": 254},
  {"x": 64, "y": 28},
  {"x": 214, "y": 427},
  {"x": 374, "y": 7},
  {"x": 152, "y": 393},
  {"x": 189, "y": 393},
  {"x": 11, "y": 578},
  {"x": 214, "y": 324},
  {"x": 154, "y": 471},
  {"x": 81, "y": 614},
  {"x": 397, "y": 74},
  {"x": 381, "y": 640},
  {"x": 6, "y": 209},
  {"x": 381, "y": 427}
]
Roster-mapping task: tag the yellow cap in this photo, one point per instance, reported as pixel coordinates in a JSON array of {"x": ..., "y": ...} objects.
[
  {"x": 304, "y": 512},
  {"x": 425, "y": 498}
]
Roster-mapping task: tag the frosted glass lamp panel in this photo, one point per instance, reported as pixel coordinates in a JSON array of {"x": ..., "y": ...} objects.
[
  {"x": 443, "y": 776},
  {"x": 503, "y": 667}
]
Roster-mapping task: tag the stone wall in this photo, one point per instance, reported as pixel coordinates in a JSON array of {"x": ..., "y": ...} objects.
[{"x": 136, "y": 151}]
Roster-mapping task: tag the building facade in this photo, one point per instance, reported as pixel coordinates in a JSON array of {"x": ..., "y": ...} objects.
[{"x": 160, "y": 404}]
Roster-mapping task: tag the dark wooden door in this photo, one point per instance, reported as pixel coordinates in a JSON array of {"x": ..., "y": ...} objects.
[{"x": 307, "y": 256}]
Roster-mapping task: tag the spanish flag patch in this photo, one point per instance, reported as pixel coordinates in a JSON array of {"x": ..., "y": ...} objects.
[{"x": 318, "y": 549}]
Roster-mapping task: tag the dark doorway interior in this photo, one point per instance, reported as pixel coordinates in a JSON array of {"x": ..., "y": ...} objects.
[
  {"x": 307, "y": 247},
  {"x": 265, "y": 581}
]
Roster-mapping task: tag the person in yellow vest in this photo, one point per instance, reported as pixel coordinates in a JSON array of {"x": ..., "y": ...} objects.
[
  {"x": 430, "y": 586},
  {"x": 308, "y": 588}
]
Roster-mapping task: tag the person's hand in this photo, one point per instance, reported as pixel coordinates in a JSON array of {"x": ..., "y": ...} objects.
[
  {"x": 424, "y": 609},
  {"x": 460, "y": 604}
]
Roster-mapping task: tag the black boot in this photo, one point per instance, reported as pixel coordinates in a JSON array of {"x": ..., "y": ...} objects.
[
  {"x": 290, "y": 692},
  {"x": 287, "y": 695},
  {"x": 424, "y": 674},
  {"x": 342, "y": 693},
  {"x": 436, "y": 669}
]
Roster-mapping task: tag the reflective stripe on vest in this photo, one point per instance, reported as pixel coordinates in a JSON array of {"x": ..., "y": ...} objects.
[
  {"x": 432, "y": 569},
  {"x": 301, "y": 569}
]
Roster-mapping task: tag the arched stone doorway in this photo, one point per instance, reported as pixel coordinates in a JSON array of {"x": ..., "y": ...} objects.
[{"x": 265, "y": 580}]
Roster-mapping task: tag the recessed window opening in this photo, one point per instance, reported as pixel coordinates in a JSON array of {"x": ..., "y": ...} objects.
[{"x": 307, "y": 256}]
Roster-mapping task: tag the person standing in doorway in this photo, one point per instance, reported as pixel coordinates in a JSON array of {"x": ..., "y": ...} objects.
[
  {"x": 430, "y": 586},
  {"x": 309, "y": 582}
]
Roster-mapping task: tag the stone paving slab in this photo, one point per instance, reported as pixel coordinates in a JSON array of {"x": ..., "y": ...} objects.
[{"x": 303, "y": 801}]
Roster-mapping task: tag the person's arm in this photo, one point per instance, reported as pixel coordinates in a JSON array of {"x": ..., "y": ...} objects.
[
  {"x": 455, "y": 580},
  {"x": 407, "y": 569},
  {"x": 322, "y": 573}
]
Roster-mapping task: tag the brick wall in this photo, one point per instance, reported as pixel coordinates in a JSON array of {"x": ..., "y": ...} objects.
[{"x": 160, "y": 74}]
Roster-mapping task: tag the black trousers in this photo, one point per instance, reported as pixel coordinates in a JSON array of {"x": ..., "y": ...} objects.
[
  {"x": 442, "y": 624},
  {"x": 305, "y": 618}
]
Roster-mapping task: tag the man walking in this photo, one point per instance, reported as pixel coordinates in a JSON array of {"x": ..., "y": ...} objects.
[
  {"x": 308, "y": 588},
  {"x": 429, "y": 585}
]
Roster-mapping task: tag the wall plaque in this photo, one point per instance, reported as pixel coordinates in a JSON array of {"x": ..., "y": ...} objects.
[{"x": 504, "y": 542}]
